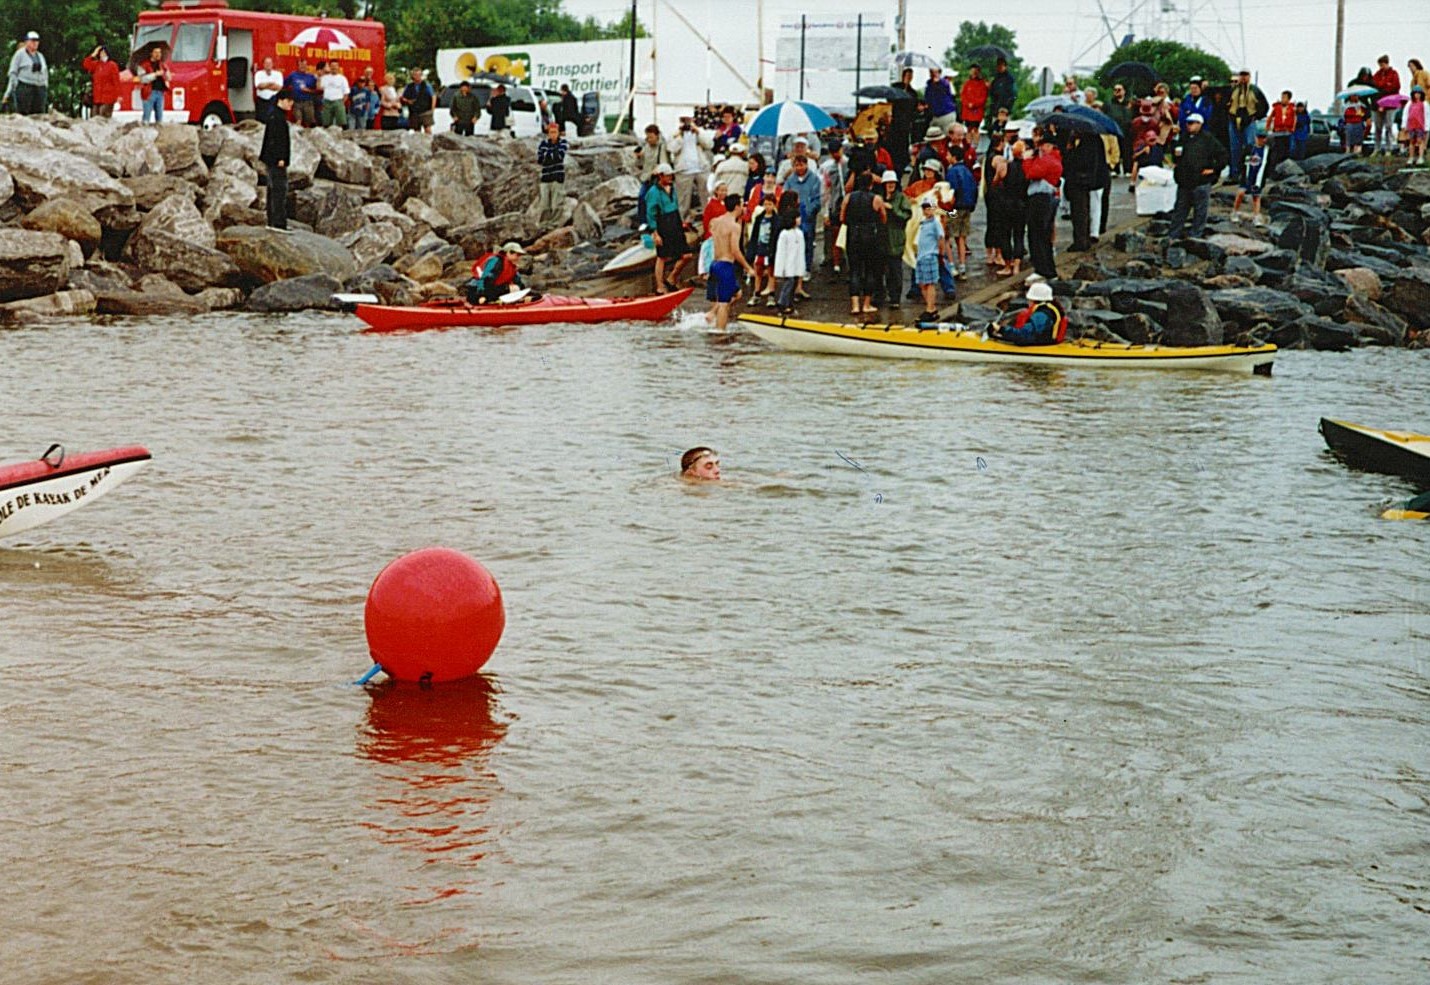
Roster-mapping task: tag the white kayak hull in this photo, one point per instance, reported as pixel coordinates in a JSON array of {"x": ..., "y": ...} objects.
[{"x": 31, "y": 497}]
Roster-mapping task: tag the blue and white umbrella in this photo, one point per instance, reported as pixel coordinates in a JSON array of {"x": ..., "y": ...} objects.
[
  {"x": 1357, "y": 90},
  {"x": 790, "y": 116}
]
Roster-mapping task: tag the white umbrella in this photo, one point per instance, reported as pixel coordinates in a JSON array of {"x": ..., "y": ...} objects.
[
  {"x": 790, "y": 116},
  {"x": 914, "y": 59}
]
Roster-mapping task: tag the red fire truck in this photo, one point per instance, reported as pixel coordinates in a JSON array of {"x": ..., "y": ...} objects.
[{"x": 213, "y": 51}]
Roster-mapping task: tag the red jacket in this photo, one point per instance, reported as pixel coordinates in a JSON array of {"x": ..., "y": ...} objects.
[
  {"x": 105, "y": 76},
  {"x": 145, "y": 68},
  {"x": 1387, "y": 80},
  {"x": 974, "y": 96},
  {"x": 1283, "y": 117},
  {"x": 1047, "y": 166}
]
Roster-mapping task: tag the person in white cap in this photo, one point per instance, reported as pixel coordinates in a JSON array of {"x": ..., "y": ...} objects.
[
  {"x": 667, "y": 228},
  {"x": 495, "y": 274},
  {"x": 899, "y": 210},
  {"x": 1042, "y": 322},
  {"x": 29, "y": 85},
  {"x": 1198, "y": 168}
]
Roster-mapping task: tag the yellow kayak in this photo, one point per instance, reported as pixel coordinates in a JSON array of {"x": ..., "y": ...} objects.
[
  {"x": 959, "y": 344},
  {"x": 1403, "y": 453}
]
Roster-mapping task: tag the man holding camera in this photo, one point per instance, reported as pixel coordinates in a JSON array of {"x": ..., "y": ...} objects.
[
  {"x": 691, "y": 149},
  {"x": 29, "y": 85}
]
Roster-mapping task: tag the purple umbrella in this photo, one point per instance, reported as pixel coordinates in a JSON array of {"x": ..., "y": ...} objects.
[{"x": 1394, "y": 101}]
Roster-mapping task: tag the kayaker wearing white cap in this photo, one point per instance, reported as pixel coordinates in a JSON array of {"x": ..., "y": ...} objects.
[
  {"x": 495, "y": 274},
  {"x": 29, "y": 84},
  {"x": 1042, "y": 322}
]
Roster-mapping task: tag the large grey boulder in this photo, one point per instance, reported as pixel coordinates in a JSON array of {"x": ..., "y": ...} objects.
[
  {"x": 384, "y": 281},
  {"x": 178, "y": 216},
  {"x": 178, "y": 145},
  {"x": 1376, "y": 325},
  {"x": 1409, "y": 296},
  {"x": 510, "y": 175},
  {"x": 587, "y": 223},
  {"x": 449, "y": 182},
  {"x": 373, "y": 243},
  {"x": 151, "y": 189},
  {"x": 135, "y": 152},
  {"x": 1191, "y": 318},
  {"x": 1245, "y": 307},
  {"x": 59, "y": 304},
  {"x": 41, "y": 174},
  {"x": 32, "y": 263},
  {"x": 304, "y": 166},
  {"x": 339, "y": 158},
  {"x": 428, "y": 262},
  {"x": 266, "y": 255},
  {"x": 296, "y": 294},
  {"x": 477, "y": 238},
  {"x": 332, "y": 210},
  {"x": 614, "y": 198},
  {"x": 69, "y": 216}
]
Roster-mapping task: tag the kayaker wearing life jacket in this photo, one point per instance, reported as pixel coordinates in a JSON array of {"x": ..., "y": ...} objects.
[
  {"x": 495, "y": 274},
  {"x": 1041, "y": 323}
]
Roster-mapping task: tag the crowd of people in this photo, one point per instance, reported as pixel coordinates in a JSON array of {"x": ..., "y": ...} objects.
[{"x": 892, "y": 201}]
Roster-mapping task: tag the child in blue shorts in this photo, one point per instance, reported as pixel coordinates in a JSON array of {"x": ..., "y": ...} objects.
[{"x": 1254, "y": 176}]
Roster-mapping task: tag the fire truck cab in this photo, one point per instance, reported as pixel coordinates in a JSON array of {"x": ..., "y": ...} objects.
[{"x": 213, "y": 51}]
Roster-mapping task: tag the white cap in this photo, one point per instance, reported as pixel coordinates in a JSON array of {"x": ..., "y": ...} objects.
[
  {"x": 931, "y": 164},
  {"x": 32, "y": 36},
  {"x": 1040, "y": 291},
  {"x": 663, "y": 168},
  {"x": 889, "y": 176},
  {"x": 1195, "y": 118}
]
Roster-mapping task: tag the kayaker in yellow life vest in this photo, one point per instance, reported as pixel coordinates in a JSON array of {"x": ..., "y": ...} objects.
[
  {"x": 1041, "y": 323},
  {"x": 495, "y": 275}
]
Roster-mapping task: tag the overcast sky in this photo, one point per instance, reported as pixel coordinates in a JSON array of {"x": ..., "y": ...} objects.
[{"x": 1289, "y": 44}]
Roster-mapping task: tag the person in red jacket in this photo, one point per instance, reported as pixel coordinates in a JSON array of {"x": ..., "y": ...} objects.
[
  {"x": 973, "y": 98},
  {"x": 1044, "y": 169},
  {"x": 1387, "y": 83},
  {"x": 1280, "y": 125},
  {"x": 104, "y": 78}
]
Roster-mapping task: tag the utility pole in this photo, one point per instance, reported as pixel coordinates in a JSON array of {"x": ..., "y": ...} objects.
[
  {"x": 903, "y": 25},
  {"x": 1340, "y": 39}
]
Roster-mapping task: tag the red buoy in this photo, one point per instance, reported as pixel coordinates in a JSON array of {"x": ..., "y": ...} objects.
[{"x": 433, "y": 615}]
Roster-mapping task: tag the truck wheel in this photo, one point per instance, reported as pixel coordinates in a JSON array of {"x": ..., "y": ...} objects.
[{"x": 214, "y": 115}]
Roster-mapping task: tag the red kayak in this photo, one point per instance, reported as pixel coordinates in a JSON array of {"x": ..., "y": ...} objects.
[
  {"x": 544, "y": 310},
  {"x": 32, "y": 493}
]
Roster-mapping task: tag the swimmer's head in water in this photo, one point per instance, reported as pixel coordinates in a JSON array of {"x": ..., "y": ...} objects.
[{"x": 700, "y": 463}]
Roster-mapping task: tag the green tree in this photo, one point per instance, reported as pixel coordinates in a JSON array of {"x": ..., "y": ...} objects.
[
  {"x": 1174, "y": 62},
  {"x": 971, "y": 36},
  {"x": 65, "y": 40}
]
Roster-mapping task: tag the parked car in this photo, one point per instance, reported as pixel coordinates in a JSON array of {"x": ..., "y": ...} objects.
[
  {"x": 591, "y": 121},
  {"x": 530, "y": 108},
  {"x": 1325, "y": 135}
]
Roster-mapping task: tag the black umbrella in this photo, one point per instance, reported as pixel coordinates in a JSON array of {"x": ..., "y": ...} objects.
[
  {"x": 987, "y": 53},
  {"x": 888, "y": 94},
  {"x": 1133, "y": 70},
  {"x": 1103, "y": 122},
  {"x": 1068, "y": 123}
]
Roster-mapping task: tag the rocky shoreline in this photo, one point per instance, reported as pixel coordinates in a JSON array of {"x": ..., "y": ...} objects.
[
  {"x": 109, "y": 219},
  {"x": 1343, "y": 262}
]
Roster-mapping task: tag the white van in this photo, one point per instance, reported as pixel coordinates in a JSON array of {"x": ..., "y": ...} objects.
[{"x": 530, "y": 108}]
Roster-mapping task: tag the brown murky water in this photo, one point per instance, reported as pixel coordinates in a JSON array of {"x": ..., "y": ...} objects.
[{"x": 969, "y": 675}]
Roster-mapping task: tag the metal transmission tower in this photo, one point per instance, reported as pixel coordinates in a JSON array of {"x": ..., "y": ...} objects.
[{"x": 1216, "y": 26}]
